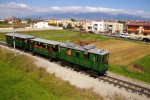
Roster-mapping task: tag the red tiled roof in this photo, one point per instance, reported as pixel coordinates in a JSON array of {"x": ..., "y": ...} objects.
[{"x": 138, "y": 24}]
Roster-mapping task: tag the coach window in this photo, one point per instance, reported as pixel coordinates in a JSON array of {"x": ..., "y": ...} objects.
[
  {"x": 17, "y": 39},
  {"x": 55, "y": 48},
  {"x": 77, "y": 54},
  {"x": 86, "y": 55},
  {"x": 35, "y": 44},
  {"x": 45, "y": 46}
]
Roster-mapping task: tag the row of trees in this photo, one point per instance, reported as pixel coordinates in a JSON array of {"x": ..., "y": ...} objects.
[{"x": 69, "y": 26}]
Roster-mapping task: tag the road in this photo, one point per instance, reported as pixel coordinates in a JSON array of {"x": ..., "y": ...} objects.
[{"x": 4, "y": 30}]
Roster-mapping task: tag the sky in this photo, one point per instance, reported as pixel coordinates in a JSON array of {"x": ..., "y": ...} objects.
[{"x": 22, "y": 8}]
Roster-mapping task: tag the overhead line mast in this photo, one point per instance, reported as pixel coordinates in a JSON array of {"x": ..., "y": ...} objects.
[{"x": 13, "y": 35}]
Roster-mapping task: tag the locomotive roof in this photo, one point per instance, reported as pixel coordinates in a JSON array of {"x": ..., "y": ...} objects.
[
  {"x": 99, "y": 51},
  {"x": 74, "y": 46},
  {"x": 88, "y": 48},
  {"x": 24, "y": 36},
  {"x": 46, "y": 41}
]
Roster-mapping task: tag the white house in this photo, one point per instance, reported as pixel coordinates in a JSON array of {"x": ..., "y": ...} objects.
[
  {"x": 42, "y": 24},
  {"x": 98, "y": 26},
  {"x": 24, "y": 22}
]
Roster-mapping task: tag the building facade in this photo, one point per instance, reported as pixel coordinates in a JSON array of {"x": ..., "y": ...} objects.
[
  {"x": 42, "y": 24},
  {"x": 107, "y": 27},
  {"x": 138, "y": 29}
]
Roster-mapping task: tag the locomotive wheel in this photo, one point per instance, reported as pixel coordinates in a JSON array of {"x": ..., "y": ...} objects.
[
  {"x": 62, "y": 64},
  {"x": 33, "y": 53},
  {"x": 51, "y": 60}
]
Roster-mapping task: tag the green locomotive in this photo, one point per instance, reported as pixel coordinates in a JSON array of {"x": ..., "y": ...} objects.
[{"x": 85, "y": 57}]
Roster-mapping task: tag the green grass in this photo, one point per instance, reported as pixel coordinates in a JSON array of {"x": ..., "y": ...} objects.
[
  {"x": 144, "y": 63},
  {"x": 64, "y": 35},
  {"x": 2, "y": 37},
  {"x": 20, "y": 79},
  {"x": 61, "y": 35}
]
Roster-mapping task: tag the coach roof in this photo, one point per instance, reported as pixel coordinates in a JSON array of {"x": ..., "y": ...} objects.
[
  {"x": 20, "y": 35},
  {"x": 46, "y": 41}
]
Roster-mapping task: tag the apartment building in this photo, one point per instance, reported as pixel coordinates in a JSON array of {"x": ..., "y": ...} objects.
[
  {"x": 82, "y": 24},
  {"x": 107, "y": 26},
  {"x": 64, "y": 22},
  {"x": 138, "y": 30}
]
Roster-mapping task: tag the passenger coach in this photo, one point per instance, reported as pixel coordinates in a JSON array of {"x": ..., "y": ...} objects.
[
  {"x": 22, "y": 41},
  {"x": 46, "y": 48}
]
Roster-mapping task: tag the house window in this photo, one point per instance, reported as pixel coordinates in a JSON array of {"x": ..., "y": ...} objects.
[
  {"x": 95, "y": 24},
  {"x": 145, "y": 34}
]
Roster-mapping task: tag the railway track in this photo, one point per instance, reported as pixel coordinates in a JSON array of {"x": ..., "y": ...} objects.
[
  {"x": 3, "y": 43},
  {"x": 130, "y": 87}
]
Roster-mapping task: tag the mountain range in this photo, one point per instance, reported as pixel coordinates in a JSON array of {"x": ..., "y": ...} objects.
[{"x": 89, "y": 16}]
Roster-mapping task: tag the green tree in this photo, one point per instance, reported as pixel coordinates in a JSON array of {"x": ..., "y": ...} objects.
[
  {"x": 81, "y": 26},
  {"x": 60, "y": 24},
  {"x": 73, "y": 20},
  {"x": 69, "y": 26},
  {"x": 28, "y": 20}
]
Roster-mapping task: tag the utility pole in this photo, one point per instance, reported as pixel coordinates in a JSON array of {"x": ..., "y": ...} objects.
[{"x": 13, "y": 35}]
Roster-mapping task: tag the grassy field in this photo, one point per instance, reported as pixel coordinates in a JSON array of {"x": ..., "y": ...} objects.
[
  {"x": 122, "y": 53},
  {"x": 20, "y": 79},
  {"x": 64, "y": 35},
  {"x": 2, "y": 37}
]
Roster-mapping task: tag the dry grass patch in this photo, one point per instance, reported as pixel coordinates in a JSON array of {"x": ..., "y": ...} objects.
[
  {"x": 123, "y": 52},
  {"x": 136, "y": 68}
]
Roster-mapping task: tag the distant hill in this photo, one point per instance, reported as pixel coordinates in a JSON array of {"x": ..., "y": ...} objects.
[{"x": 90, "y": 16}]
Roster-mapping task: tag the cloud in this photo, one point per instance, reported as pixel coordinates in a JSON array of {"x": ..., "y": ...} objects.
[
  {"x": 13, "y": 5},
  {"x": 20, "y": 10}
]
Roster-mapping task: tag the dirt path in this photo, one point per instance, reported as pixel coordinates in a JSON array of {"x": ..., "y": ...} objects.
[{"x": 84, "y": 81}]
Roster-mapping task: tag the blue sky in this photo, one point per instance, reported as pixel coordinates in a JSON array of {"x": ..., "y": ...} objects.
[{"x": 28, "y": 7}]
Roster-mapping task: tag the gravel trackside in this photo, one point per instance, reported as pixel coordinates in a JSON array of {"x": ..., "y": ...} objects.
[{"x": 81, "y": 80}]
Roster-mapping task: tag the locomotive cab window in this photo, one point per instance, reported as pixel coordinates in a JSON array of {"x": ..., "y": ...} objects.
[
  {"x": 96, "y": 58},
  {"x": 86, "y": 55},
  {"x": 105, "y": 58},
  {"x": 77, "y": 54}
]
